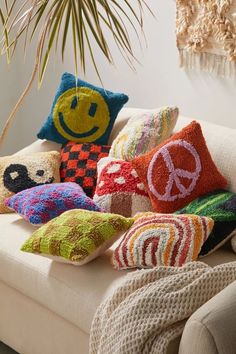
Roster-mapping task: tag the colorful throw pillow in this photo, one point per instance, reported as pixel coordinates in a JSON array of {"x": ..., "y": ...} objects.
[
  {"x": 119, "y": 189},
  {"x": 40, "y": 204},
  {"x": 221, "y": 207},
  {"x": 19, "y": 172},
  {"x": 79, "y": 164},
  {"x": 143, "y": 132},
  {"x": 77, "y": 236},
  {"x": 81, "y": 112},
  {"x": 179, "y": 170},
  {"x": 162, "y": 240}
]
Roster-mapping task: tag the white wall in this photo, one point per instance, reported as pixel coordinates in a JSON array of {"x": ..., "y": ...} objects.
[
  {"x": 36, "y": 105},
  {"x": 159, "y": 81}
]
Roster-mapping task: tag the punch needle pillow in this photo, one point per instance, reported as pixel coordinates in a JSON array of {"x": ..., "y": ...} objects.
[
  {"x": 162, "y": 240},
  {"x": 40, "y": 204},
  {"x": 119, "y": 189},
  {"x": 179, "y": 170},
  {"x": 81, "y": 112},
  {"x": 79, "y": 164},
  {"x": 77, "y": 236},
  {"x": 143, "y": 132},
  {"x": 221, "y": 207},
  {"x": 19, "y": 172}
]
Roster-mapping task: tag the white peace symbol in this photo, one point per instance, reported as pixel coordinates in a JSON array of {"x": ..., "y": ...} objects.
[{"x": 175, "y": 173}]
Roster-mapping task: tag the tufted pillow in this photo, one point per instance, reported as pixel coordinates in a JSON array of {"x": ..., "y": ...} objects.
[
  {"x": 81, "y": 112},
  {"x": 143, "y": 132},
  {"x": 221, "y": 207},
  {"x": 77, "y": 236},
  {"x": 119, "y": 189},
  {"x": 179, "y": 170},
  {"x": 19, "y": 172},
  {"x": 40, "y": 204},
  {"x": 79, "y": 164},
  {"x": 162, "y": 240}
]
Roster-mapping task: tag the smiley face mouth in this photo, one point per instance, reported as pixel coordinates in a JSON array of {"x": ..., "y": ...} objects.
[{"x": 73, "y": 134}]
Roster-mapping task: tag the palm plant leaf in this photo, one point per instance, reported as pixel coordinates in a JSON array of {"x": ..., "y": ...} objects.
[{"x": 91, "y": 21}]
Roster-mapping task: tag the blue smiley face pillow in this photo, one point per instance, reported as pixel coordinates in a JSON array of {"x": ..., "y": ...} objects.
[{"x": 81, "y": 113}]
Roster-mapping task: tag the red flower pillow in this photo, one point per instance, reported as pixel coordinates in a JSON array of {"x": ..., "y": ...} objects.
[
  {"x": 179, "y": 170},
  {"x": 79, "y": 164}
]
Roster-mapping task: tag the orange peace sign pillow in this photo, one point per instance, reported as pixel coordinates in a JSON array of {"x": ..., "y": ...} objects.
[{"x": 179, "y": 170}]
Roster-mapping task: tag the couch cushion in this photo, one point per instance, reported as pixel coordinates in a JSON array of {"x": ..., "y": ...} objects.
[{"x": 71, "y": 292}]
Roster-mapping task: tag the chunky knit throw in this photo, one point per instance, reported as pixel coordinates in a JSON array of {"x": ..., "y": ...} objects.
[
  {"x": 206, "y": 35},
  {"x": 150, "y": 307}
]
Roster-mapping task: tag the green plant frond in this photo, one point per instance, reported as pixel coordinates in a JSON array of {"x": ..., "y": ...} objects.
[
  {"x": 92, "y": 23},
  {"x": 5, "y": 37}
]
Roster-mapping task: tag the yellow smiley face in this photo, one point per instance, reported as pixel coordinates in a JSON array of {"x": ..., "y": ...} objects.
[{"x": 81, "y": 114}]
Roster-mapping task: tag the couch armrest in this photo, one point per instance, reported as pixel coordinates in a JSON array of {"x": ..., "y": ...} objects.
[{"x": 211, "y": 329}]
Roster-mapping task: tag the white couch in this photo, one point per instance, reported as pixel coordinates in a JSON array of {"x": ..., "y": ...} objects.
[{"x": 47, "y": 307}]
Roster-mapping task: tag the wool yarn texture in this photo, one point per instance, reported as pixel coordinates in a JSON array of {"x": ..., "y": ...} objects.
[
  {"x": 179, "y": 170},
  {"x": 77, "y": 236},
  {"x": 40, "y": 204},
  {"x": 119, "y": 189},
  {"x": 81, "y": 112},
  {"x": 220, "y": 205},
  {"x": 79, "y": 164},
  {"x": 157, "y": 302},
  {"x": 162, "y": 239},
  {"x": 206, "y": 35},
  {"x": 143, "y": 132},
  {"x": 20, "y": 172}
]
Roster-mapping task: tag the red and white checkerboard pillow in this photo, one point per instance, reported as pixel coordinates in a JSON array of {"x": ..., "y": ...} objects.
[{"x": 79, "y": 164}]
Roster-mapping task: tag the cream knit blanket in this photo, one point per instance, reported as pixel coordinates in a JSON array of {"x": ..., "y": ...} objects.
[{"x": 150, "y": 307}]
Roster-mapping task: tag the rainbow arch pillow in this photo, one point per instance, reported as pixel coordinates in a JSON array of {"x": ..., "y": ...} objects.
[
  {"x": 162, "y": 240},
  {"x": 81, "y": 112}
]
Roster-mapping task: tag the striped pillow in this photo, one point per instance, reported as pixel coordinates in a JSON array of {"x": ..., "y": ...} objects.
[
  {"x": 219, "y": 205},
  {"x": 162, "y": 240},
  {"x": 143, "y": 132}
]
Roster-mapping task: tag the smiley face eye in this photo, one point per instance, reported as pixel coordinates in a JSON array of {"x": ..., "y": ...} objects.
[
  {"x": 40, "y": 173},
  {"x": 74, "y": 102},
  {"x": 93, "y": 109},
  {"x": 14, "y": 175}
]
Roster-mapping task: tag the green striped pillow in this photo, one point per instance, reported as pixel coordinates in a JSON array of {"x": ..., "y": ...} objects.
[{"x": 221, "y": 207}]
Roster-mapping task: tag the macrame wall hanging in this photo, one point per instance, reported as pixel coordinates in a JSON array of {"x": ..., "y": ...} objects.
[{"x": 206, "y": 35}]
